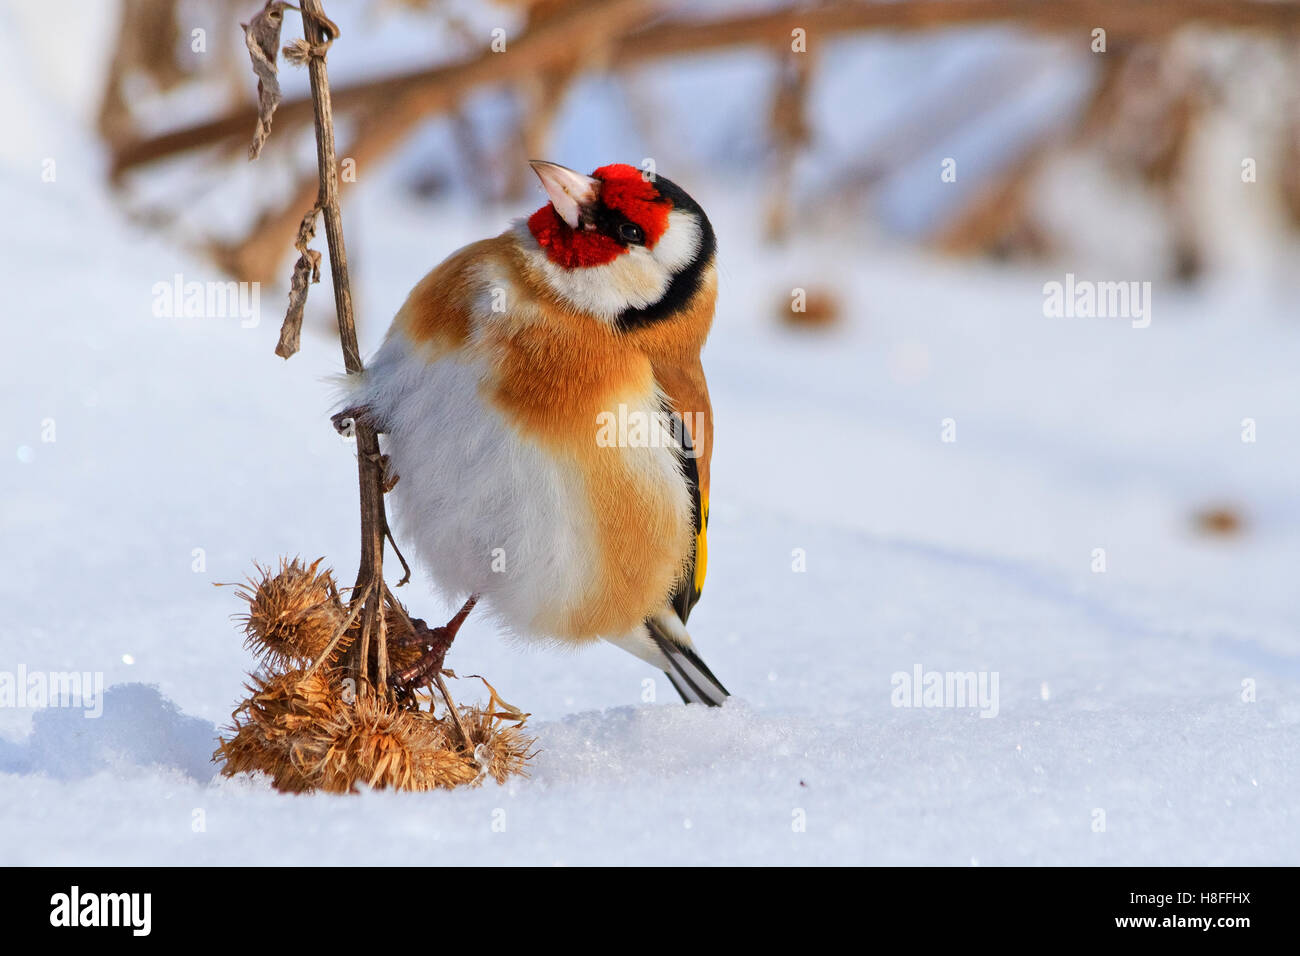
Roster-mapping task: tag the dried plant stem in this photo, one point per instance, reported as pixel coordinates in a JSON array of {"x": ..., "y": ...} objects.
[
  {"x": 320, "y": 32},
  {"x": 452, "y": 710},
  {"x": 338, "y": 634}
]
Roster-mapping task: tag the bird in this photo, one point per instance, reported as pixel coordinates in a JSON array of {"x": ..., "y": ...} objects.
[{"x": 546, "y": 426}]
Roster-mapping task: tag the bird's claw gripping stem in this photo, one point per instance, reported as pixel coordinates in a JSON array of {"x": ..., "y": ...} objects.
[
  {"x": 345, "y": 421},
  {"x": 436, "y": 642}
]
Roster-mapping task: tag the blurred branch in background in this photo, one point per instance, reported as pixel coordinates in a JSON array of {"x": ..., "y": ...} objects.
[
  {"x": 790, "y": 133},
  {"x": 1124, "y": 19},
  {"x": 1141, "y": 109},
  {"x": 147, "y": 27},
  {"x": 1147, "y": 96},
  {"x": 550, "y": 43}
]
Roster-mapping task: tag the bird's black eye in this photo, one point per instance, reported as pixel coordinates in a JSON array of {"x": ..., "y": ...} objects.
[{"x": 631, "y": 232}]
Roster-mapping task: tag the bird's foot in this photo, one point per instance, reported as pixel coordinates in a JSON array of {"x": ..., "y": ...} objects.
[
  {"x": 345, "y": 422},
  {"x": 387, "y": 477},
  {"x": 436, "y": 642}
]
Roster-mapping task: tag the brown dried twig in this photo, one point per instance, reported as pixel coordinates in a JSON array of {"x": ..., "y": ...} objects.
[
  {"x": 337, "y": 636},
  {"x": 320, "y": 32},
  {"x": 370, "y": 592}
]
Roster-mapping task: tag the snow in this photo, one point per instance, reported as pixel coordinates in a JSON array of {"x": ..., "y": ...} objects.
[{"x": 1119, "y": 692}]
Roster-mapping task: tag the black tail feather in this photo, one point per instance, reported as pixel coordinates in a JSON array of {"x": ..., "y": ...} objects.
[{"x": 689, "y": 675}]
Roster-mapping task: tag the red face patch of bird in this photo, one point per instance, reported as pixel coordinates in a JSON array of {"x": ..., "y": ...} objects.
[{"x": 618, "y": 209}]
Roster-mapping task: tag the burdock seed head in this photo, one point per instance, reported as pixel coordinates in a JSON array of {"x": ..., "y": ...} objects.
[
  {"x": 269, "y": 725},
  {"x": 311, "y": 724},
  {"x": 381, "y": 745},
  {"x": 304, "y": 732},
  {"x": 292, "y": 615}
]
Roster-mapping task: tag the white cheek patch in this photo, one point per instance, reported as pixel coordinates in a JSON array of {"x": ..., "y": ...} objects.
[
  {"x": 636, "y": 279},
  {"x": 679, "y": 243}
]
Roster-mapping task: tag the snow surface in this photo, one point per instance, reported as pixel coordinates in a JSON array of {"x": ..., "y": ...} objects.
[{"x": 1120, "y": 692}]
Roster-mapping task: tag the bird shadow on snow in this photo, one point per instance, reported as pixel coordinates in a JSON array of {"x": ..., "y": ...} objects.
[{"x": 138, "y": 727}]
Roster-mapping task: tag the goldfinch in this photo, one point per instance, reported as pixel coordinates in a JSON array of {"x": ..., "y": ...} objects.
[{"x": 547, "y": 424}]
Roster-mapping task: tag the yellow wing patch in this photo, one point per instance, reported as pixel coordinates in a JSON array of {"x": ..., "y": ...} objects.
[{"x": 701, "y": 547}]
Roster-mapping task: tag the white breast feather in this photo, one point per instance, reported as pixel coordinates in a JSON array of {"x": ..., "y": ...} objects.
[{"x": 487, "y": 511}]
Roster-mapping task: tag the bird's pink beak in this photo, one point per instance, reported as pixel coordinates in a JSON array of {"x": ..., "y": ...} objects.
[{"x": 568, "y": 191}]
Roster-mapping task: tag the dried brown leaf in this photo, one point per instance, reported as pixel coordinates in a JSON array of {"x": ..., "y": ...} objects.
[
  {"x": 497, "y": 707},
  {"x": 262, "y": 37},
  {"x": 305, "y": 272}
]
